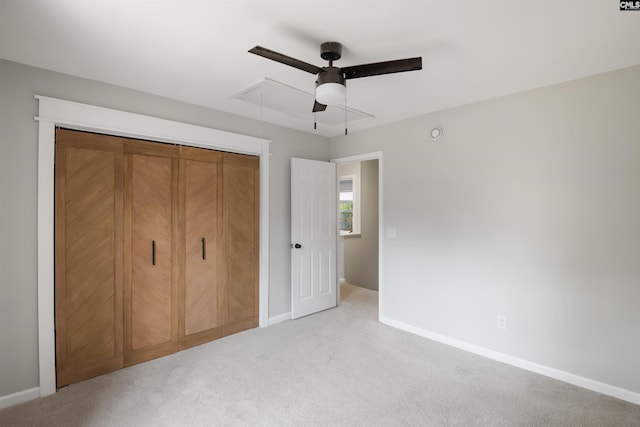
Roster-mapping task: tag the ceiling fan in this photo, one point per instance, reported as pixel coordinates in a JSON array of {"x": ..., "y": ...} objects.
[{"x": 330, "y": 84}]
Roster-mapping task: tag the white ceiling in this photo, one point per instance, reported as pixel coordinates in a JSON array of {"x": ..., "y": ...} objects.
[{"x": 196, "y": 51}]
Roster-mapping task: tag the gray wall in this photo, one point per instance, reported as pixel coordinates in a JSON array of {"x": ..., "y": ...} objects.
[
  {"x": 361, "y": 251},
  {"x": 529, "y": 206},
  {"x": 18, "y": 196}
]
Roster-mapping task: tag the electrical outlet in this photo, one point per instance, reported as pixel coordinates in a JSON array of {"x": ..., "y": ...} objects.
[
  {"x": 391, "y": 232},
  {"x": 502, "y": 322}
]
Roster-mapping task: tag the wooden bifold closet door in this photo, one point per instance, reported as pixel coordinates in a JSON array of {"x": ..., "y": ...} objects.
[
  {"x": 150, "y": 251},
  {"x": 202, "y": 279},
  {"x": 241, "y": 221},
  {"x": 88, "y": 256},
  {"x": 156, "y": 250}
]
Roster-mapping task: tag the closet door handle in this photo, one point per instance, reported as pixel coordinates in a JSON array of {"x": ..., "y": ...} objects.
[
  {"x": 204, "y": 248},
  {"x": 153, "y": 252}
]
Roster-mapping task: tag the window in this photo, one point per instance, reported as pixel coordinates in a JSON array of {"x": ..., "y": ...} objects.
[{"x": 348, "y": 203}]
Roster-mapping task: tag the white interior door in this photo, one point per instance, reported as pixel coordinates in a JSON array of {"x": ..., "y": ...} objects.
[{"x": 313, "y": 236}]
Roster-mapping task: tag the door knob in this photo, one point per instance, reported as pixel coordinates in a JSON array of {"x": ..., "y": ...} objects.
[{"x": 297, "y": 246}]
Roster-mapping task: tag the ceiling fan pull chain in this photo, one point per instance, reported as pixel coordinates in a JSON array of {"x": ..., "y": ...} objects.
[{"x": 345, "y": 116}]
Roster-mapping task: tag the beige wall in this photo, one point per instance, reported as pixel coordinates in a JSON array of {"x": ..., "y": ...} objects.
[
  {"x": 529, "y": 207},
  {"x": 18, "y": 196}
]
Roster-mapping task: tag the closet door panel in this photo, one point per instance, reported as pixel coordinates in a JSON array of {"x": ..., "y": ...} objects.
[
  {"x": 241, "y": 203},
  {"x": 151, "y": 316},
  {"x": 202, "y": 292},
  {"x": 88, "y": 285}
]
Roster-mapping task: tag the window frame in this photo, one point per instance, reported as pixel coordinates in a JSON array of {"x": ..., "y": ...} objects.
[{"x": 355, "y": 212}]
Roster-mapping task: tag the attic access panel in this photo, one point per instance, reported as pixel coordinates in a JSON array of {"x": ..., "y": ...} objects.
[{"x": 297, "y": 103}]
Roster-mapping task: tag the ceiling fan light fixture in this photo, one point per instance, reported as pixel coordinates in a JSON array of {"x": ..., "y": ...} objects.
[{"x": 331, "y": 93}]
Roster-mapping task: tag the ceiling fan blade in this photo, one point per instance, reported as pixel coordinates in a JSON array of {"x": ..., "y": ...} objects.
[
  {"x": 318, "y": 107},
  {"x": 284, "y": 59},
  {"x": 378, "y": 68}
]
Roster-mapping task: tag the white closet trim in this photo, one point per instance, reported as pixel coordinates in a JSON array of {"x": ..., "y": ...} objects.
[{"x": 54, "y": 112}]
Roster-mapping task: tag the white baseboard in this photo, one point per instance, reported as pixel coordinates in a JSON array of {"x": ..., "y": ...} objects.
[
  {"x": 557, "y": 374},
  {"x": 19, "y": 397},
  {"x": 279, "y": 318}
]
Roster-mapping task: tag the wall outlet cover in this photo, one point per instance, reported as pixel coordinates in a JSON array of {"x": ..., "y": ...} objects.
[{"x": 501, "y": 322}]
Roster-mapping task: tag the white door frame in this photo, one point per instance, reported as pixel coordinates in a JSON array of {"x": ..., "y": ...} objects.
[
  {"x": 359, "y": 158},
  {"x": 54, "y": 112}
]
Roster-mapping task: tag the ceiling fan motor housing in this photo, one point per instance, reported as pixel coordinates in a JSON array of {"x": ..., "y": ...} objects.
[{"x": 330, "y": 75}]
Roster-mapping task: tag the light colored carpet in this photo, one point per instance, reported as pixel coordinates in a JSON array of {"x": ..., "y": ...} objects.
[{"x": 338, "y": 367}]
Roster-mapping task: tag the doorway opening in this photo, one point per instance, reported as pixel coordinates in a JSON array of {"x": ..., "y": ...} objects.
[{"x": 360, "y": 244}]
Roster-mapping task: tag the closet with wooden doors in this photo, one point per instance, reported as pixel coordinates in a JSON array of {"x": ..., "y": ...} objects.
[{"x": 156, "y": 250}]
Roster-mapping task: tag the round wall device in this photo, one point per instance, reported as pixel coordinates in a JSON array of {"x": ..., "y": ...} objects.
[{"x": 436, "y": 133}]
